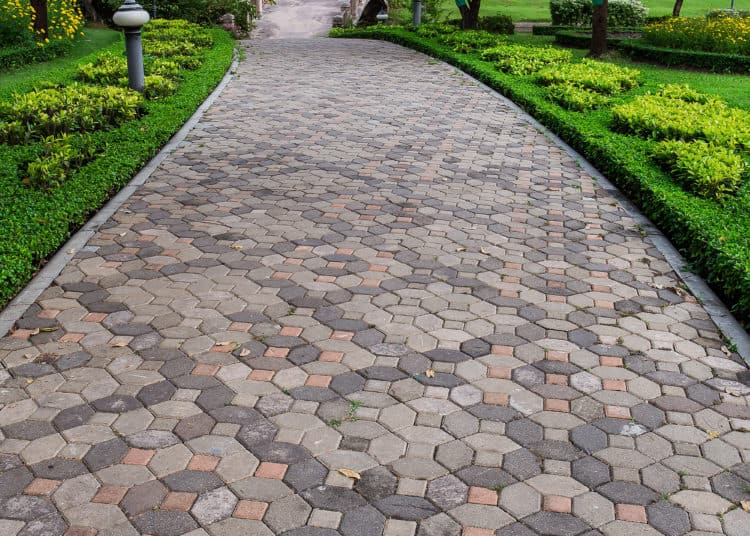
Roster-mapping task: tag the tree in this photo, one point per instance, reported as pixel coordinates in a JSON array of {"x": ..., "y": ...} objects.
[
  {"x": 469, "y": 13},
  {"x": 41, "y": 23},
  {"x": 599, "y": 30},
  {"x": 677, "y": 7}
]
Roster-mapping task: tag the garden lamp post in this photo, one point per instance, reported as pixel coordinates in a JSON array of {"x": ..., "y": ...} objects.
[
  {"x": 131, "y": 17},
  {"x": 417, "y": 8}
]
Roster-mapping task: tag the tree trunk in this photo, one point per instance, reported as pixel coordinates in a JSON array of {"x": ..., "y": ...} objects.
[
  {"x": 677, "y": 8},
  {"x": 40, "y": 17},
  {"x": 599, "y": 31},
  {"x": 470, "y": 15},
  {"x": 90, "y": 11}
]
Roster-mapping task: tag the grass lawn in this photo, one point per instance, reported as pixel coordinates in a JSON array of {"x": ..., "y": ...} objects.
[
  {"x": 23, "y": 78},
  {"x": 538, "y": 10}
]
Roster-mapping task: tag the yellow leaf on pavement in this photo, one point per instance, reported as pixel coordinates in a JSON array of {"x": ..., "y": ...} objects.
[
  {"x": 430, "y": 373},
  {"x": 349, "y": 473}
]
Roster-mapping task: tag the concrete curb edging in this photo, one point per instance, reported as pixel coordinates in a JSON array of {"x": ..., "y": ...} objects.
[
  {"x": 715, "y": 308},
  {"x": 44, "y": 277}
]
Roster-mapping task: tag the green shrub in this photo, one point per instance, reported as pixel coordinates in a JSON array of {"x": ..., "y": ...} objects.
[
  {"x": 683, "y": 92},
  {"x": 64, "y": 110},
  {"x": 169, "y": 49},
  {"x": 639, "y": 50},
  {"x": 661, "y": 117},
  {"x": 519, "y": 59},
  {"x": 158, "y": 87},
  {"x": 502, "y": 24},
  {"x": 466, "y": 41},
  {"x": 705, "y": 169},
  {"x": 431, "y": 30},
  {"x": 110, "y": 69},
  {"x": 597, "y": 76},
  {"x": 60, "y": 156},
  {"x": 576, "y": 98},
  {"x": 161, "y": 30},
  {"x": 726, "y": 35},
  {"x": 579, "y": 12},
  {"x": 17, "y": 55}
]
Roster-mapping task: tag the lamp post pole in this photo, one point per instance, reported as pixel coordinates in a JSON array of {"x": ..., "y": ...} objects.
[
  {"x": 131, "y": 17},
  {"x": 417, "y": 7}
]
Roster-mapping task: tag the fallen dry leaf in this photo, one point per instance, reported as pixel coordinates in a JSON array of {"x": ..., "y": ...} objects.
[
  {"x": 225, "y": 343},
  {"x": 713, "y": 433},
  {"x": 235, "y": 246},
  {"x": 120, "y": 344},
  {"x": 484, "y": 251},
  {"x": 350, "y": 473},
  {"x": 745, "y": 505},
  {"x": 48, "y": 330},
  {"x": 726, "y": 351},
  {"x": 460, "y": 249},
  {"x": 72, "y": 250},
  {"x": 244, "y": 352},
  {"x": 430, "y": 373}
]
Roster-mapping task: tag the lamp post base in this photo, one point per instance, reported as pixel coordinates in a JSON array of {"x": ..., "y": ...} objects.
[{"x": 134, "y": 52}]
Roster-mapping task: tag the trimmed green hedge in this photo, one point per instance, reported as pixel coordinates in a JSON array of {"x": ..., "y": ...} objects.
[
  {"x": 36, "y": 223},
  {"x": 714, "y": 238},
  {"x": 552, "y": 30},
  {"x": 578, "y": 39},
  {"x": 712, "y": 61},
  {"x": 15, "y": 56}
]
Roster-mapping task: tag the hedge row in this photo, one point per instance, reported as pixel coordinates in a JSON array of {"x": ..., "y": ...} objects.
[
  {"x": 552, "y": 30},
  {"x": 578, "y": 39},
  {"x": 712, "y": 61},
  {"x": 36, "y": 223},
  {"x": 15, "y": 56},
  {"x": 713, "y": 237}
]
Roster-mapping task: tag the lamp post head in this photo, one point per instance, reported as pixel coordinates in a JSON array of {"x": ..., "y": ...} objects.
[
  {"x": 382, "y": 16},
  {"x": 130, "y": 15}
]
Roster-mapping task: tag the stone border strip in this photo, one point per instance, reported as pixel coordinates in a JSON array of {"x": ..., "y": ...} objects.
[
  {"x": 44, "y": 278},
  {"x": 716, "y": 309}
]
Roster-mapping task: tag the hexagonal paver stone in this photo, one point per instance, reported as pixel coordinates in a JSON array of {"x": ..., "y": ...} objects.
[
  {"x": 447, "y": 492},
  {"x": 262, "y": 431},
  {"x": 525, "y": 432},
  {"x": 116, "y": 404},
  {"x": 304, "y": 475},
  {"x": 152, "y": 439},
  {"x": 485, "y": 477},
  {"x": 105, "y": 454},
  {"x": 620, "y": 491},
  {"x": 14, "y": 481},
  {"x": 406, "y": 507},
  {"x": 333, "y": 498},
  {"x": 363, "y": 521},
  {"x": 439, "y": 525},
  {"x": 26, "y": 507},
  {"x": 376, "y": 483},
  {"x": 156, "y": 393},
  {"x": 590, "y": 471},
  {"x": 286, "y": 514},
  {"x": 194, "y": 426},
  {"x": 731, "y": 487},
  {"x": 588, "y": 438},
  {"x": 28, "y": 430},
  {"x": 522, "y": 464},
  {"x": 72, "y": 417},
  {"x": 143, "y": 497},
  {"x": 214, "y": 506},
  {"x": 279, "y": 452},
  {"x": 556, "y": 524},
  {"x": 668, "y": 518},
  {"x": 193, "y": 481},
  {"x": 59, "y": 469},
  {"x": 236, "y": 415},
  {"x": 311, "y": 531},
  {"x": 515, "y": 529},
  {"x": 52, "y": 524},
  {"x": 164, "y": 522}
]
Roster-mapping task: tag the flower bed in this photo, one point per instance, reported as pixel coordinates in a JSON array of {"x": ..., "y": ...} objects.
[
  {"x": 725, "y": 35},
  {"x": 713, "y": 235}
]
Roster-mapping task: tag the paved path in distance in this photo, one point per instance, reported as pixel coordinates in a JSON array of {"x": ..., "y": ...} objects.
[{"x": 365, "y": 297}]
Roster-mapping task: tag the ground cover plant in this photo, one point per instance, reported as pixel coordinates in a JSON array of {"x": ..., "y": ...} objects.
[
  {"x": 728, "y": 35},
  {"x": 700, "y": 197},
  {"x": 73, "y": 138}
]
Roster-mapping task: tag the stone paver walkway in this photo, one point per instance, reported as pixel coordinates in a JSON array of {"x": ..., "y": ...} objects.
[{"x": 360, "y": 260}]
